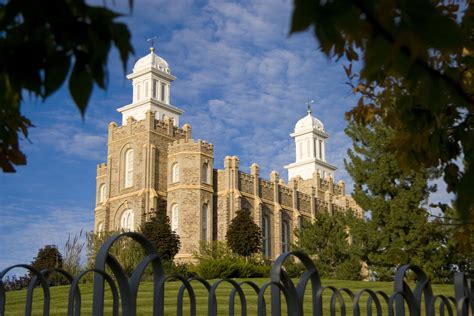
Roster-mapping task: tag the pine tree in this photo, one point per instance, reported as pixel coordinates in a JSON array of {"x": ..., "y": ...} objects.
[
  {"x": 398, "y": 229},
  {"x": 244, "y": 236},
  {"x": 158, "y": 232},
  {"x": 330, "y": 242},
  {"x": 48, "y": 257}
]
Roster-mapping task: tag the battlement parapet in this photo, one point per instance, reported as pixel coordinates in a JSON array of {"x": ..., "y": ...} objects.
[
  {"x": 246, "y": 182},
  {"x": 101, "y": 169},
  {"x": 133, "y": 127},
  {"x": 190, "y": 145}
]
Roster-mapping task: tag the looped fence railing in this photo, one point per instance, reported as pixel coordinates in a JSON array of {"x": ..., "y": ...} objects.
[{"x": 124, "y": 290}]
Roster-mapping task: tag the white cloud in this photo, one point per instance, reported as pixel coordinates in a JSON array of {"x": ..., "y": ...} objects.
[{"x": 25, "y": 230}]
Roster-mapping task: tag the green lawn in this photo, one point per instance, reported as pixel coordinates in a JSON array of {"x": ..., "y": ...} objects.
[{"x": 59, "y": 295}]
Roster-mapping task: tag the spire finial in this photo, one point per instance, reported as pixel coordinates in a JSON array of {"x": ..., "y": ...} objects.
[
  {"x": 151, "y": 40},
  {"x": 308, "y": 104}
]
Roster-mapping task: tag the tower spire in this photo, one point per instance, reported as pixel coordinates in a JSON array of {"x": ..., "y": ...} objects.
[
  {"x": 151, "y": 40},
  {"x": 308, "y": 104}
]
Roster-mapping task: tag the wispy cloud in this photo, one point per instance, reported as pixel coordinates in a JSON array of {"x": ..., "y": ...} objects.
[{"x": 26, "y": 229}]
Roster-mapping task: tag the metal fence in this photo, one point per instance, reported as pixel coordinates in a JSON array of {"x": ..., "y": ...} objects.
[{"x": 124, "y": 290}]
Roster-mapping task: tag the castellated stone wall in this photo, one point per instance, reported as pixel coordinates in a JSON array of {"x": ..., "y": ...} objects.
[
  {"x": 201, "y": 201},
  {"x": 190, "y": 192},
  {"x": 149, "y": 141}
]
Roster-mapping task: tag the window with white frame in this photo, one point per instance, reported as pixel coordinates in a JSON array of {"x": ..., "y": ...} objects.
[
  {"x": 102, "y": 193},
  {"x": 146, "y": 89},
  {"x": 126, "y": 222},
  {"x": 174, "y": 218},
  {"x": 285, "y": 237},
  {"x": 138, "y": 87},
  {"x": 204, "y": 224},
  {"x": 265, "y": 236},
  {"x": 205, "y": 172},
  {"x": 128, "y": 168},
  {"x": 175, "y": 173}
]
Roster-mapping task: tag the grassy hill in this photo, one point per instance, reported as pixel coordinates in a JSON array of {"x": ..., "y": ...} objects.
[{"x": 16, "y": 299}]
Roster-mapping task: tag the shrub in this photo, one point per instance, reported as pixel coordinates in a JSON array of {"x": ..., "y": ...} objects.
[{"x": 230, "y": 268}]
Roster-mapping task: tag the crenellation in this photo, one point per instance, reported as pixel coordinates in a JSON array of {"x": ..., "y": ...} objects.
[
  {"x": 183, "y": 144},
  {"x": 152, "y": 163}
]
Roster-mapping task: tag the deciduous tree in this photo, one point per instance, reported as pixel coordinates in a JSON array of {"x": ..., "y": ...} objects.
[
  {"x": 416, "y": 73},
  {"x": 44, "y": 44}
]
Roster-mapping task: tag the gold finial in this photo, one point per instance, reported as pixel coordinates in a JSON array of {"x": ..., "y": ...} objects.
[
  {"x": 308, "y": 104},
  {"x": 151, "y": 40}
]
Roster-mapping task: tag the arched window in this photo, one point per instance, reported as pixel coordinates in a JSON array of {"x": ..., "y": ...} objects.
[
  {"x": 205, "y": 172},
  {"x": 175, "y": 217},
  {"x": 265, "y": 236},
  {"x": 175, "y": 173},
  {"x": 285, "y": 237},
  {"x": 128, "y": 168},
  {"x": 126, "y": 222},
  {"x": 100, "y": 228},
  {"x": 204, "y": 212},
  {"x": 102, "y": 193}
]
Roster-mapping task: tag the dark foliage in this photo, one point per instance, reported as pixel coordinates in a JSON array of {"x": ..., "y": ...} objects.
[
  {"x": 416, "y": 72},
  {"x": 244, "y": 236},
  {"x": 158, "y": 231},
  {"x": 43, "y": 44}
]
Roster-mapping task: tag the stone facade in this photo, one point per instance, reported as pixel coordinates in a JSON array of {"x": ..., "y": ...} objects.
[{"x": 153, "y": 162}]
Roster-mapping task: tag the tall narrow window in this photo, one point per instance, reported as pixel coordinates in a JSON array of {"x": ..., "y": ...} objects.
[
  {"x": 284, "y": 237},
  {"x": 300, "y": 145},
  {"x": 205, "y": 172},
  {"x": 204, "y": 212},
  {"x": 128, "y": 168},
  {"x": 146, "y": 89},
  {"x": 138, "y": 92},
  {"x": 175, "y": 173},
  {"x": 314, "y": 148},
  {"x": 163, "y": 92},
  {"x": 265, "y": 237},
  {"x": 102, "y": 193},
  {"x": 175, "y": 218},
  {"x": 320, "y": 149},
  {"x": 155, "y": 89},
  {"x": 308, "y": 147},
  {"x": 100, "y": 228},
  {"x": 126, "y": 222},
  {"x": 163, "y": 117}
]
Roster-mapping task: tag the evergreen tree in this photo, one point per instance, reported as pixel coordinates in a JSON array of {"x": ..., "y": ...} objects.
[
  {"x": 244, "y": 236},
  {"x": 48, "y": 257},
  {"x": 398, "y": 231},
  {"x": 158, "y": 232},
  {"x": 331, "y": 244}
]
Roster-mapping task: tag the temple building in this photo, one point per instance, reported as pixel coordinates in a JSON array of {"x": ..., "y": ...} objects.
[{"x": 154, "y": 162}]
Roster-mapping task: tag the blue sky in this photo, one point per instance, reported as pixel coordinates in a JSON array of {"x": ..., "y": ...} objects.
[{"x": 241, "y": 80}]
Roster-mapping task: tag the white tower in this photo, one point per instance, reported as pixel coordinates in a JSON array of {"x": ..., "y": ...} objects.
[
  {"x": 310, "y": 144},
  {"x": 151, "y": 79}
]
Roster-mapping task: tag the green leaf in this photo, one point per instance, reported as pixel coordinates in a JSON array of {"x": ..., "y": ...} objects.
[
  {"x": 301, "y": 19},
  {"x": 80, "y": 86},
  {"x": 57, "y": 68}
]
